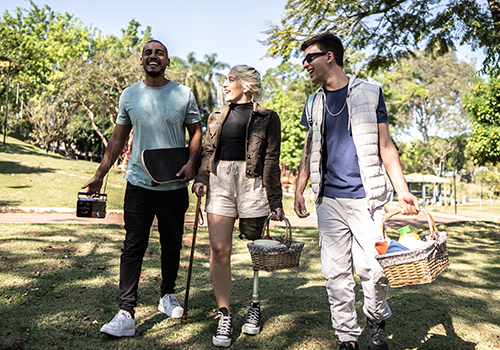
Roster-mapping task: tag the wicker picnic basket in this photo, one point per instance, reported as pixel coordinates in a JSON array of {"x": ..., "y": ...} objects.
[
  {"x": 416, "y": 266},
  {"x": 279, "y": 257}
]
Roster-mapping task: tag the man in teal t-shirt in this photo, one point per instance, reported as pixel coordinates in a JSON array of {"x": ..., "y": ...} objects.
[
  {"x": 168, "y": 108},
  {"x": 159, "y": 110}
]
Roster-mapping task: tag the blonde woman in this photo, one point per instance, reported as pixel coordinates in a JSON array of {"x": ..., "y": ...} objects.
[{"x": 240, "y": 175}]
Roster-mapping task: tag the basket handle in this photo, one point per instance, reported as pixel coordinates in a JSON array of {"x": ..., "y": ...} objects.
[
  {"x": 432, "y": 224},
  {"x": 288, "y": 227}
]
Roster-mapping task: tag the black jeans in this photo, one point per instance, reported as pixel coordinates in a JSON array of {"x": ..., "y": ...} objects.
[{"x": 140, "y": 208}]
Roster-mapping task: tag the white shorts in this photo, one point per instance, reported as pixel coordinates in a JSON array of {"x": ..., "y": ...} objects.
[{"x": 232, "y": 194}]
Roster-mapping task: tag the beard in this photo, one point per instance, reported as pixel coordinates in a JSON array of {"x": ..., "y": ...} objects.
[{"x": 154, "y": 74}]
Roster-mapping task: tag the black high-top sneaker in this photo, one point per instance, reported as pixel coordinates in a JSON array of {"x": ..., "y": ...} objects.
[
  {"x": 378, "y": 339},
  {"x": 252, "y": 319},
  {"x": 222, "y": 336},
  {"x": 348, "y": 346}
]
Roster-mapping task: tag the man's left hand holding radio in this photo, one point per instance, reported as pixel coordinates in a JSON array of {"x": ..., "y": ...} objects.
[{"x": 94, "y": 185}]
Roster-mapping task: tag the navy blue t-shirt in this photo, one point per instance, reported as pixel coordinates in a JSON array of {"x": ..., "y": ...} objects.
[{"x": 341, "y": 175}]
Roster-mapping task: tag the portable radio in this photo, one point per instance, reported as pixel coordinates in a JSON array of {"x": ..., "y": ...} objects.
[{"x": 91, "y": 207}]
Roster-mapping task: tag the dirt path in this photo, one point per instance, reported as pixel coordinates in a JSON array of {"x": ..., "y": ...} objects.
[{"x": 59, "y": 216}]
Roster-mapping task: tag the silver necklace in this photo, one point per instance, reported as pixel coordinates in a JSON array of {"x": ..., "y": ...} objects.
[{"x": 336, "y": 114}]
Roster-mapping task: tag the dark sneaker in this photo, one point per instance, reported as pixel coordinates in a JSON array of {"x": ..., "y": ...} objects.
[
  {"x": 222, "y": 336},
  {"x": 252, "y": 319},
  {"x": 378, "y": 339},
  {"x": 348, "y": 346}
]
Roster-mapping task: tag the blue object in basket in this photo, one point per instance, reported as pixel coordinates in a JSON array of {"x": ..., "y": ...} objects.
[{"x": 395, "y": 246}]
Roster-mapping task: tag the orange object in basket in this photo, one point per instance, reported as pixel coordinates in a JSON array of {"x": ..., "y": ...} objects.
[{"x": 381, "y": 247}]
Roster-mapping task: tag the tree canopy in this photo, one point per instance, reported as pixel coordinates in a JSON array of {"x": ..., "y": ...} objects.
[
  {"x": 69, "y": 76},
  {"x": 438, "y": 156},
  {"x": 483, "y": 107},
  {"x": 38, "y": 41},
  {"x": 424, "y": 94},
  {"x": 199, "y": 76},
  {"x": 286, "y": 88},
  {"x": 391, "y": 28}
]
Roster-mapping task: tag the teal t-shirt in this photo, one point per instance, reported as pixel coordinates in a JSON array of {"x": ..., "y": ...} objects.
[{"x": 158, "y": 116}]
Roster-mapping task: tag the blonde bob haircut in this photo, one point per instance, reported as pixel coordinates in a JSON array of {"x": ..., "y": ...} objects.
[{"x": 251, "y": 78}]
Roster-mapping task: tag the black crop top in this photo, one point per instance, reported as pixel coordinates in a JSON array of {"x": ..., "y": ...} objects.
[{"x": 233, "y": 134}]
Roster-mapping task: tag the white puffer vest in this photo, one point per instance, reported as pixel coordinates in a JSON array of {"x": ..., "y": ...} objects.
[{"x": 362, "y": 102}]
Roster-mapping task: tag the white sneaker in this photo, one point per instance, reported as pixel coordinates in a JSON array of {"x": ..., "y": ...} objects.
[
  {"x": 170, "y": 306},
  {"x": 122, "y": 325}
]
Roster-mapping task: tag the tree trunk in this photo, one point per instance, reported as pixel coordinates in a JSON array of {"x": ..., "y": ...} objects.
[
  {"x": 67, "y": 148},
  {"x": 94, "y": 125},
  {"x": 86, "y": 155},
  {"x": 495, "y": 13},
  {"x": 425, "y": 125}
]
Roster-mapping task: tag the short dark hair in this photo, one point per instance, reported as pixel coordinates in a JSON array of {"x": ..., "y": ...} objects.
[
  {"x": 156, "y": 41},
  {"x": 327, "y": 42}
]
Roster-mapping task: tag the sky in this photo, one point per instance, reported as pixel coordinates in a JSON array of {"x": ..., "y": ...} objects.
[{"x": 230, "y": 28}]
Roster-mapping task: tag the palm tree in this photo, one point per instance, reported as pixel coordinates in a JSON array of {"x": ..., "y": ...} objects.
[
  {"x": 212, "y": 66},
  {"x": 199, "y": 76}
]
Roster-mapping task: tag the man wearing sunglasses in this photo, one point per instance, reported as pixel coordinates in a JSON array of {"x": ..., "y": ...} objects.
[{"x": 354, "y": 168}]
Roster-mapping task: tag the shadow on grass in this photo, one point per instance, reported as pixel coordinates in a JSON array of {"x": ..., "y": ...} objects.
[
  {"x": 64, "y": 286},
  {"x": 18, "y": 168},
  {"x": 26, "y": 149},
  {"x": 427, "y": 316},
  {"x": 421, "y": 320},
  {"x": 58, "y": 285},
  {"x": 9, "y": 203}
]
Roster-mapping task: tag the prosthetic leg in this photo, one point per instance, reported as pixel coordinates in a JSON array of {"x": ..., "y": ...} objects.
[
  {"x": 255, "y": 295},
  {"x": 252, "y": 319}
]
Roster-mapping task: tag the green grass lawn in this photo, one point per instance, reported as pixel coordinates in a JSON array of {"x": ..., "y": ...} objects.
[
  {"x": 487, "y": 208},
  {"x": 30, "y": 177},
  {"x": 59, "y": 284}
]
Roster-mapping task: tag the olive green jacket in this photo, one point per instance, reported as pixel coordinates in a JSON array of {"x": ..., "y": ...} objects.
[{"x": 263, "y": 143}]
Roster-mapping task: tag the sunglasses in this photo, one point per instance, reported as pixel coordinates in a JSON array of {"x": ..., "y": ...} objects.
[{"x": 311, "y": 56}]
